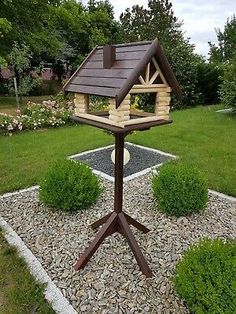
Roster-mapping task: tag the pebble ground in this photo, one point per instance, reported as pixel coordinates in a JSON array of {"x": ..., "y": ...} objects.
[{"x": 111, "y": 282}]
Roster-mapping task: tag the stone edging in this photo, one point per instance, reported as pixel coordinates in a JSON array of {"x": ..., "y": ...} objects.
[
  {"x": 222, "y": 195},
  {"x": 53, "y": 295}
]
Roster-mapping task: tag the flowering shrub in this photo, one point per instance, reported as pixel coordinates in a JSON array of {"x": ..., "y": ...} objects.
[
  {"x": 37, "y": 116},
  {"x": 9, "y": 124}
]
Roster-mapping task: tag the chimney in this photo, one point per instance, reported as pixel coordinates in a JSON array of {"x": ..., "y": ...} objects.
[{"x": 109, "y": 56}]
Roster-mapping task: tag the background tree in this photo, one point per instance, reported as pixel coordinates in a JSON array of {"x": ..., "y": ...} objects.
[
  {"x": 19, "y": 60},
  {"x": 222, "y": 63},
  {"x": 5, "y": 27},
  {"x": 31, "y": 24},
  {"x": 226, "y": 46},
  {"x": 81, "y": 27},
  {"x": 208, "y": 81},
  {"x": 58, "y": 32},
  {"x": 158, "y": 20},
  {"x": 228, "y": 85}
]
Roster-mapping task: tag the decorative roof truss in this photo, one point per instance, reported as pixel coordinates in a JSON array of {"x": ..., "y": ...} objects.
[{"x": 150, "y": 77}]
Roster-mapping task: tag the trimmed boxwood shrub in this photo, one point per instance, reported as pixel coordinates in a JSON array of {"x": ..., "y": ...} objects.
[
  {"x": 179, "y": 189},
  {"x": 69, "y": 186},
  {"x": 206, "y": 277}
]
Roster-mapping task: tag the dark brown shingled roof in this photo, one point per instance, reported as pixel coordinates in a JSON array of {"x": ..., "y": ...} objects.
[{"x": 130, "y": 61}]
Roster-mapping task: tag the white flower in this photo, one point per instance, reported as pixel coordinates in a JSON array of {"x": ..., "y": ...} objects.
[{"x": 10, "y": 127}]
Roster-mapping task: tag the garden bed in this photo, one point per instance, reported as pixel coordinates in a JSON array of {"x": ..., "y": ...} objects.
[{"x": 111, "y": 281}]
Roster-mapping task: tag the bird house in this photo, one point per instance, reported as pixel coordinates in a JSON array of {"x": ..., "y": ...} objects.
[{"x": 116, "y": 72}]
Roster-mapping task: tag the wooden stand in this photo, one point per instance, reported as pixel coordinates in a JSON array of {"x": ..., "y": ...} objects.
[{"x": 117, "y": 221}]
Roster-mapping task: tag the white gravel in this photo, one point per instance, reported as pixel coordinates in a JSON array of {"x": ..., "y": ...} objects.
[{"x": 111, "y": 282}]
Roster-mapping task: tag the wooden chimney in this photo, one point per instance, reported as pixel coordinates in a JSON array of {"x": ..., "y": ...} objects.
[{"x": 109, "y": 56}]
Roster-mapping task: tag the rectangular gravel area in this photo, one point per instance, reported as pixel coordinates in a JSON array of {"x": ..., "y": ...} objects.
[{"x": 141, "y": 159}]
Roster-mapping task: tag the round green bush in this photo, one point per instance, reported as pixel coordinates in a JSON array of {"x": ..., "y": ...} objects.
[
  {"x": 69, "y": 186},
  {"x": 179, "y": 189},
  {"x": 206, "y": 277}
]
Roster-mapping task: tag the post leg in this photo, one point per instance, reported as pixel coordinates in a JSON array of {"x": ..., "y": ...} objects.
[
  {"x": 136, "y": 224},
  {"x": 101, "y": 235},
  {"x": 134, "y": 246},
  {"x": 100, "y": 222}
]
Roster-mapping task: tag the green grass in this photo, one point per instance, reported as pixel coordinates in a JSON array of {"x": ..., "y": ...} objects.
[
  {"x": 198, "y": 135},
  {"x": 8, "y": 104},
  {"x": 19, "y": 293},
  {"x": 24, "y": 157},
  {"x": 201, "y": 136}
]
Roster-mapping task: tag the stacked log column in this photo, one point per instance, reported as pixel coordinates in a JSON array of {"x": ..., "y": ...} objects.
[
  {"x": 162, "y": 107},
  {"x": 81, "y": 103},
  {"x": 122, "y": 113}
]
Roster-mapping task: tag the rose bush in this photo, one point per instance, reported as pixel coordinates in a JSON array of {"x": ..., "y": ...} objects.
[{"x": 37, "y": 116}]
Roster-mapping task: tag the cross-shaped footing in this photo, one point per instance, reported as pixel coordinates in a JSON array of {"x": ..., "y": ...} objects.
[{"x": 116, "y": 222}]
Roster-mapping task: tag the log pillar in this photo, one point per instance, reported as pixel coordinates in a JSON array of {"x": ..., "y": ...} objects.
[
  {"x": 122, "y": 113},
  {"x": 81, "y": 103},
  {"x": 162, "y": 107}
]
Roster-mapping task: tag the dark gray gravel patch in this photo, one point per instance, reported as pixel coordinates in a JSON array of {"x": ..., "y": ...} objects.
[{"x": 140, "y": 159}]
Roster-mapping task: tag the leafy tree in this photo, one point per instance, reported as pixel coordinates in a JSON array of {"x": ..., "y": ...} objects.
[
  {"x": 222, "y": 63},
  {"x": 57, "y": 31},
  {"x": 228, "y": 86},
  {"x": 81, "y": 28},
  {"x": 72, "y": 23},
  {"x": 19, "y": 60},
  {"x": 30, "y": 24},
  {"x": 159, "y": 21},
  {"x": 5, "y": 27},
  {"x": 103, "y": 26},
  {"x": 226, "y": 47},
  {"x": 208, "y": 81}
]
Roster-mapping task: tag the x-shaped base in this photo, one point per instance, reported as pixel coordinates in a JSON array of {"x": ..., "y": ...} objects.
[{"x": 116, "y": 222}]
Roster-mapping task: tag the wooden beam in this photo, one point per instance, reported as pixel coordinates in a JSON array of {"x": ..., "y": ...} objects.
[
  {"x": 141, "y": 80},
  {"x": 147, "y": 74},
  {"x": 99, "y": 119},
  {"x": 147, "y": 89},
  {"x": 158, "y": 69},
  {"x": 155, "y": 75},
  {"x": 167, "y": 88},
  {"x": 141, "y": 120}
]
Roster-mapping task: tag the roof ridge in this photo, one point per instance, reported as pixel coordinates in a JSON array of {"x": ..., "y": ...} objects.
[{"x": 135, "y": 43}]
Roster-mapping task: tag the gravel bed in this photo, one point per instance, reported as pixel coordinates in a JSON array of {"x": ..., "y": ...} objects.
[
  {"x": 101, "y": 160},
  {"x": 111, "y": 282}
]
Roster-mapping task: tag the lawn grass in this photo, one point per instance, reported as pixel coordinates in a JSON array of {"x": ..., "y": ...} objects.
[
  {"x": 19, "y": 292},
  {"x": 8, "y": 104},
  {"x": 203, "y": 137},
  {"x": 25, "y": 156},
  {"x": 200, "y": 135}
]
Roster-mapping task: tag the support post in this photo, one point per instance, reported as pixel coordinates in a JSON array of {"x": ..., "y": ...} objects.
[
  {"x": 117, "y": 221},
  {"x": 119, "y": 167}
]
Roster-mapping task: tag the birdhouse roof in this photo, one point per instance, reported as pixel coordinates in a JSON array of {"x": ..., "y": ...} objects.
[{"x": 113, "y": 72}]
